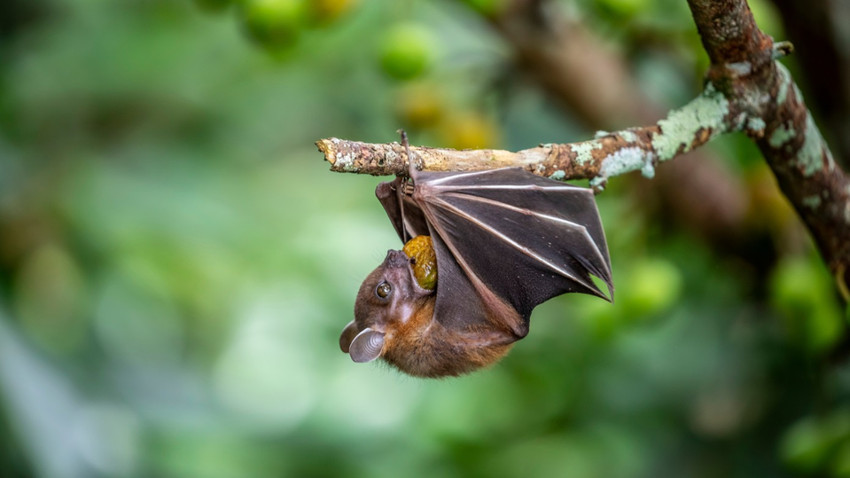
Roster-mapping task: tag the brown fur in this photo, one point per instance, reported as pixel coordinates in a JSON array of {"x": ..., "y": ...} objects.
[
  {"x": 423, "y": 347},
  {"x": 414, "y": 341}
]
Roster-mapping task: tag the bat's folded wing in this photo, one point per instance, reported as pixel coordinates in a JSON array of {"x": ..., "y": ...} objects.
[
  {"x": 523, "y": 237},
  {"x": 406, "y": 216}
]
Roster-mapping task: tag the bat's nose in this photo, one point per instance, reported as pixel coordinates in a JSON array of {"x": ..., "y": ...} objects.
[{"x": 396, "y": 259}]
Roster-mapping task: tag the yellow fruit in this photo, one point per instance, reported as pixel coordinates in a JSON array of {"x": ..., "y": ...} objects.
[
  {"x": 420, "y": 105},
  {"x": 323, "y": 12},
  {"x": 469, "y": 131},
  {"x": 424, "y": 261}
]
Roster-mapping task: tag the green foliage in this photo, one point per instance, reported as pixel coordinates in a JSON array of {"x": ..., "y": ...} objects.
[
  {"x": 214, "y": 5},
  {"x": 177, "y": 263},
  {"x": 801, "y": 290},
  {"x": 819, "y": 444},
  {"x": 487, "y": 7}
]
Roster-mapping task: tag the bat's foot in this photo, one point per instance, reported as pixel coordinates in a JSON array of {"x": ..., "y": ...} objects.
[
  {"x": 598, "y": 184},
  {"x": 411, "y": 168},
  {"x": 407, "y": 188}
]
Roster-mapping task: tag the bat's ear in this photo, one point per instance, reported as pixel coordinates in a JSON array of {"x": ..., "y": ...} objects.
[
  {"x": 348, "y": 333},
  {"x": 366, "y": 346}
]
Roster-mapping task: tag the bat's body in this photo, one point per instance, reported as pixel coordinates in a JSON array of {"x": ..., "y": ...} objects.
[{"x": 505, "y": 241}]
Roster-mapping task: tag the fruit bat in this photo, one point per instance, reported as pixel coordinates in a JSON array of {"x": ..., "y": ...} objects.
[{"x": 505, "y": 241}]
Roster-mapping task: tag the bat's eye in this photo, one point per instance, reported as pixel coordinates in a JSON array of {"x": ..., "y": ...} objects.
[{"x": 384, "y": 289}]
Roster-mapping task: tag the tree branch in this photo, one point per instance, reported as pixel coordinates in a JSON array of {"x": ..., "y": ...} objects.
[
  {"x": 608, "y": 155},
  {"x": 815, "y": 27},
  {"x": 743, "y": 66}
]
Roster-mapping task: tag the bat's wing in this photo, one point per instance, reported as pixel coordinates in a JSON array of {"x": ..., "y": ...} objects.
[
  {"x": 523, "y": 237},
  {"x": 406, "y": 216},
  {"x": 502, "y": 237}
]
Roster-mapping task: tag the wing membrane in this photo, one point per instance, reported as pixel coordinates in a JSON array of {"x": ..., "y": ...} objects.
[
  {"x": 505, "y": 240},
  {"x": 526, "y": 238}
]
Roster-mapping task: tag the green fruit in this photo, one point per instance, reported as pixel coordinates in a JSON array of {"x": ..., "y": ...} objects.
[
  {"x": 794, "y": 284},
  {"x": 801, "y": 292},
  {"x": 406, "y": 51},
  {"x": 651, "y": 286},
  {"x": 273, "y": 23}
]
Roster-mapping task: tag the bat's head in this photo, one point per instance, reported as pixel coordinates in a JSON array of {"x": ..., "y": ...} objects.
[{"x": 389, "y": 299}]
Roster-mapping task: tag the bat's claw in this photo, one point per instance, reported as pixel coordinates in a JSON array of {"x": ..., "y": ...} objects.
[
  {"x": 598, "y": 184},
  {"x": 407, "y": 188}
]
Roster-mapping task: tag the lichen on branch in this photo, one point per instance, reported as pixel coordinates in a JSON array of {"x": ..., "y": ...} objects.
[
  {"x": 789, "y": 139},
  {"x": 607, "y": 155}
]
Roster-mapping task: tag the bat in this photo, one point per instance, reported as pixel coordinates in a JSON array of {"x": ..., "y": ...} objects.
[{"x": 504, "y": 240}]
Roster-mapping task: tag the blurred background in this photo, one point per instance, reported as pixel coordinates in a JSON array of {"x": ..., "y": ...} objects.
[{"x": 176, "y": 261}]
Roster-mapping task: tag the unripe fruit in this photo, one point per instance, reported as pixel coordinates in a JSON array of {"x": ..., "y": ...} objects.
[
  {"x": 407, "y": 51},
  {"x": 800, "y": 290},
  {"x": 273, "y": 24},
  {"x": 652, "y": 286}
]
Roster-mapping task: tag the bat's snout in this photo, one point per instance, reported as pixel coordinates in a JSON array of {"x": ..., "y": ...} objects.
[{"x": 396, "y": 259}]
